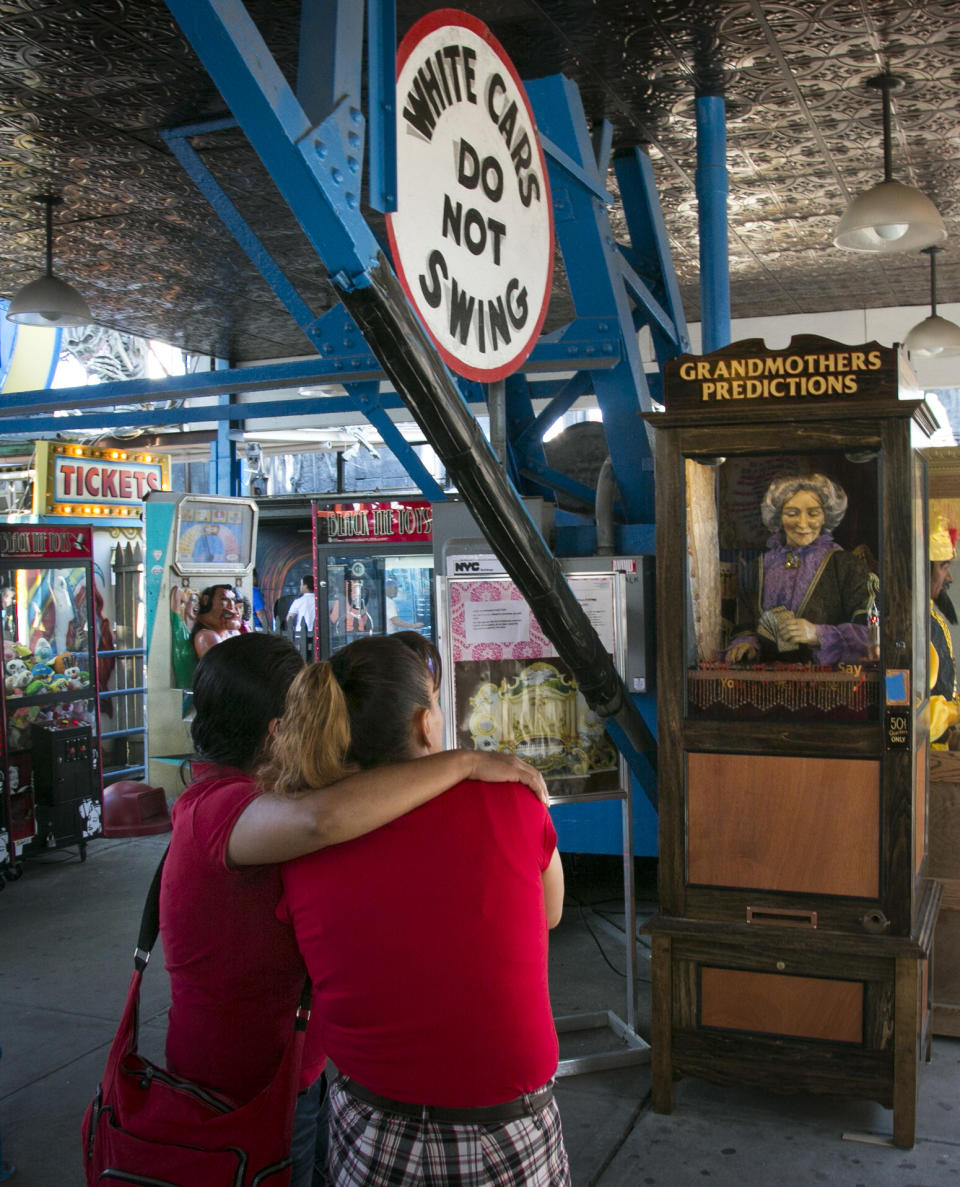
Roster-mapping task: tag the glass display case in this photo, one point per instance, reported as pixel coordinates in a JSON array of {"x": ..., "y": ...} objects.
[
  {"x": 374, "y": 566},
  {"x": 50, "y": 714},
  {"x": 785, "y": 591}
]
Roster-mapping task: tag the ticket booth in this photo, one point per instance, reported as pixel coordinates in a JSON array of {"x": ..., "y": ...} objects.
[{"x": 792, "y": 947}]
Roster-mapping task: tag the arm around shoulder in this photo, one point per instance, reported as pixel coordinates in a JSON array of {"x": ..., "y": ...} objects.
[{"x": 274, "y": 828}]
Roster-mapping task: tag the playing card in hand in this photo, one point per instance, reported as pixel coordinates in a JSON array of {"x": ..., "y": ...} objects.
[{"x": 771, "y": 626}]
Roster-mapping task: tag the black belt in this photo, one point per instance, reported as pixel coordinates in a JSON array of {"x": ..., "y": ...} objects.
[{"x": 511, "y": 1110}]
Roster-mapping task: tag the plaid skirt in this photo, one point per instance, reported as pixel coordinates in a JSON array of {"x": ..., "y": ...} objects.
[{"x": 371, "y": 1148}]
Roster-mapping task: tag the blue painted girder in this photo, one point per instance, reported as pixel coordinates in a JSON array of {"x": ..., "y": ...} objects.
[{"x": 596, "y": 283}]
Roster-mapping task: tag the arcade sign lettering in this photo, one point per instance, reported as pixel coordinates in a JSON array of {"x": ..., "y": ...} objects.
[
  {"x": 29, "y": 543},
  {"x": 82, "y": 479},
  {"x": 472, "y": 236},
  {"x": 396, "y": 522},
  {"x": 811, "y": 368}
]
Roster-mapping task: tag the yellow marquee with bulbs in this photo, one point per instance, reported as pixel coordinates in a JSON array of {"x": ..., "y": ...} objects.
[{"x": 80, "y": 481}]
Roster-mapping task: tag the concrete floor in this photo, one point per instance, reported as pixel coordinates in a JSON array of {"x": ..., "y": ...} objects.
[{"x": 66, "y": 936}]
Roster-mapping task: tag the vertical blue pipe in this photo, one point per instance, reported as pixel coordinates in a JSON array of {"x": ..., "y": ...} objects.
[
  {"x": 224, "y": 468},
  {"x": 712, "y": 203}
]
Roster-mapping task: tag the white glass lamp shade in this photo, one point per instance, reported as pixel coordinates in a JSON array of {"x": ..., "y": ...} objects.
[
  {"x": 49, "y": 302},
  {"x": 890, "y": 217},
  {"x": 934, "y": 338}
]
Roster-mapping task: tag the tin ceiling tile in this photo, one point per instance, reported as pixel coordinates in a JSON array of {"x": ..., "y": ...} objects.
[{"x": 86, "y": 86}]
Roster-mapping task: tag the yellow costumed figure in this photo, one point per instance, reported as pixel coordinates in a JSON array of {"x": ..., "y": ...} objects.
[{"x": 944, "y": 701}]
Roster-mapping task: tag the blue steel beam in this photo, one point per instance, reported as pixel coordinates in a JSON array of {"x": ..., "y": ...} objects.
[
  {"x": 649, "y": 251},
  {"x": 712, "y": 190},
  {"x": 592, "y": 261},
  {"x": 331, "y": 55},
  {"x": 373, "y": 406},
  {"x": 350, "y": 367},
  {"x": 524, "y": 445},
  {"x": 381, "y": 106},
  {"x": 224, "y": 465},
  {"x": 315, "y": 166},
  {"x": 195, "y": 168},
  {"x": 263, "y": 377}
]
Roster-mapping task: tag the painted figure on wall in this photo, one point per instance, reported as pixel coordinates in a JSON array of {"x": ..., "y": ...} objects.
[
  {"x": 183, "y": 616},
  {"x": 218, "y": 618}
]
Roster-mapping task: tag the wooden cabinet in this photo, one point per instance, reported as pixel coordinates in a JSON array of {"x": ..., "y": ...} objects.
[
  {"x": 796, "y": 914},
  {"x": 944, "y": 865}
]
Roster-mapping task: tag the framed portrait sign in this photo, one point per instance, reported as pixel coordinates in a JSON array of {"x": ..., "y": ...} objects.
[{"x": 506, "y": 689}]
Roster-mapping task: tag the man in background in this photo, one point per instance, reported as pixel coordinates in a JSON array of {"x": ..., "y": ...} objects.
[
  {"x": 303, "y": 610},
  {"x": 391, "y": 616}
]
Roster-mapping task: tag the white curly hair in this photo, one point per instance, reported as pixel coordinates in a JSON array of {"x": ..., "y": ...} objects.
[{"x": 831, "y": 496}]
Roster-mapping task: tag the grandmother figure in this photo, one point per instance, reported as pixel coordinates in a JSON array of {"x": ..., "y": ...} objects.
[{"x": 812, "y": 598}]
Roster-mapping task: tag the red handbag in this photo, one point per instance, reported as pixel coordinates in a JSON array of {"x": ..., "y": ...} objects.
[{"x": 147, "y": 1126}]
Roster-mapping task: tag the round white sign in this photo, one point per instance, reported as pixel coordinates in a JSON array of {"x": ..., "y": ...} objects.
[{"x": 472, "y": 236}]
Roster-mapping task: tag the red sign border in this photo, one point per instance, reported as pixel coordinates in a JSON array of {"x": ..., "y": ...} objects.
[{"x": 414, "y": 35}]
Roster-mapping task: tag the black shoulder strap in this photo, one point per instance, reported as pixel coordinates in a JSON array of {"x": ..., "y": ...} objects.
[
  {"x": 150, "y": 929},
  {"x": 150, "y": 919}
]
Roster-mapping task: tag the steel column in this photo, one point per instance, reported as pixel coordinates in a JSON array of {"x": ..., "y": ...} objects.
[{"x": 712, "y": 199}]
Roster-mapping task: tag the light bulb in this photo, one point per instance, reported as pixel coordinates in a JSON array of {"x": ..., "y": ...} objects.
[{"x": 891, "y": 231}]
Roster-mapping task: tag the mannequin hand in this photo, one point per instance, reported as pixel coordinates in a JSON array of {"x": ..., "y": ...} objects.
[
  {"x": 800, "y": 630},
  {"x": 741, "y": 653},
  {"x": 492, "y": 766}
]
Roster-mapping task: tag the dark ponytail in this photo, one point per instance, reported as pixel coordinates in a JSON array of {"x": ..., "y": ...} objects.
[{"x": 239, "y": 687}]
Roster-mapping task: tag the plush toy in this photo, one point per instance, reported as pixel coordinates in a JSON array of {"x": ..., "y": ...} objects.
[
  {"x": 75, "y": 678},
  {"x": 16, "y": 677},
  {"x": 40, "y": 677},
  {"x": 43, "y": 651},
  {"x": 18, "y": 726}
]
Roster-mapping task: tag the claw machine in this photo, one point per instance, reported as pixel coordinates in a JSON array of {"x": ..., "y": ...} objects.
[
  {"x": 374, "y": 569},
  {"x": 49, "y": 712}
]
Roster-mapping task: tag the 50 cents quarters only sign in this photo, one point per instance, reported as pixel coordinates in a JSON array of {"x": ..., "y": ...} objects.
[{"x": 472, "y": 236}]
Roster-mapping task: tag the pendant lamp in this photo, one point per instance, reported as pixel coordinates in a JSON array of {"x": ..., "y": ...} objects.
[
  {"x": 49, "y": 301},
  {"x": 890, "y": 216},
  {"x": 934, "y": 337}
]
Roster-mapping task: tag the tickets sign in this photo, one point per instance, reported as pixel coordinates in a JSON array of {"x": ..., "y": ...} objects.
[
  {"x": 81, "y": 481},
  {"x": 472, "y": 236}
]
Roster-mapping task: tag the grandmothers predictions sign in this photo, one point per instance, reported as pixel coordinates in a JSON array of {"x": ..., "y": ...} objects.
[{"x": 472, "y": 236}]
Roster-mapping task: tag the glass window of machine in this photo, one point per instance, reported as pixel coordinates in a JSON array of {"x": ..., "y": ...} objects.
[{"x": 784, "y": 586}]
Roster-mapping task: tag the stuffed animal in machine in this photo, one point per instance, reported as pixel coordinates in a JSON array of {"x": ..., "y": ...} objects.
[
  {"x": 40, "y": 677},
  {"x": 75, "y": 678},
  {"x": 16, "y": 676}
]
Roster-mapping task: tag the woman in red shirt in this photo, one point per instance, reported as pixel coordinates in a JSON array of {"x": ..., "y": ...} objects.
[
  {"x": 427, "y": 944},
  {"x": 235, "y": 971}
]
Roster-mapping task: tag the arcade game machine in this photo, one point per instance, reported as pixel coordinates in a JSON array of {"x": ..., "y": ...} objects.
[
  {"x": 193, "y": 542},
  {"x": 792, "y": 947},
  {"x": 585, "y": 823},
  {"x": 373, "y": 569},
  {"x": 505, "y": 689},
  {"x": 49, "y": 711}
]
